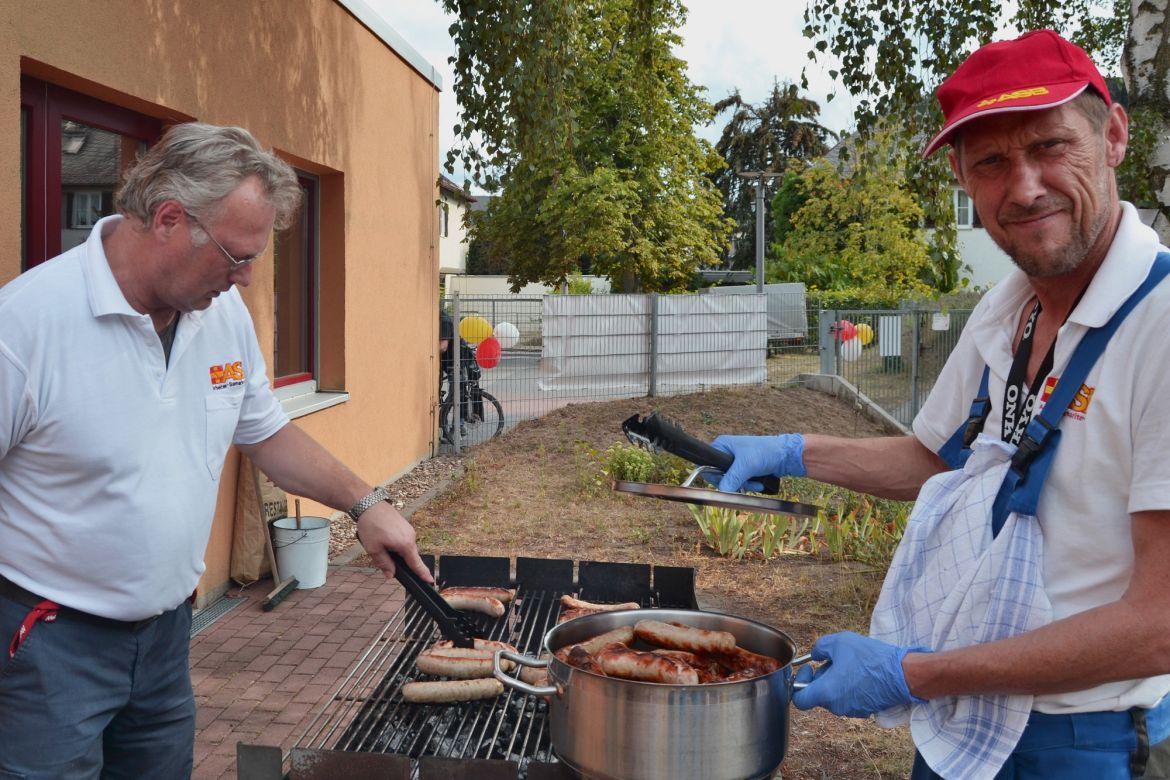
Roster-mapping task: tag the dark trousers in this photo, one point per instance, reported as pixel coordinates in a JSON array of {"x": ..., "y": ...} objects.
[{"x": 83, "y": 699}]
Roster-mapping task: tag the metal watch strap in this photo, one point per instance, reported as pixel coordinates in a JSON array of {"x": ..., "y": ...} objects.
[{"x": 367, "y": 501}]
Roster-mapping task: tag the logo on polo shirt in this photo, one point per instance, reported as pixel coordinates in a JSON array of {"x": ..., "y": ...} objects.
[
  {"x": 1080, "y": 402},
  {"x": 227, "y": 375},
  {"x": 1019, "y": 94}
]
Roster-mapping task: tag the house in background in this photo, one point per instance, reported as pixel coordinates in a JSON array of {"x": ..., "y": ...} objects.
[
  {"x": 339, "y": 95},
  {"x": 454, "y": 203}
]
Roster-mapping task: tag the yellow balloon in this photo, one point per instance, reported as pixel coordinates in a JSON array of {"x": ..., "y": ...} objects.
[
  {"x": 474, "y": 329},
  {"x": 864, "y": 333}
]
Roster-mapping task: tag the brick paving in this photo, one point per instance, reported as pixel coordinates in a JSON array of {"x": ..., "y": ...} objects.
[{"x": 260, "y": 677}]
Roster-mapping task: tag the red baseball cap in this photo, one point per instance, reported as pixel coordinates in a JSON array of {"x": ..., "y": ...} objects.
[{"x": 1038, "y": 70}]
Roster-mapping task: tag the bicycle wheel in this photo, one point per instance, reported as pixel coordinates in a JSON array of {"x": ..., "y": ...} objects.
[{"x": 475, "y": 429}]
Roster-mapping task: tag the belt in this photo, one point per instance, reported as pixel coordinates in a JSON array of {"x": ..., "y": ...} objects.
[{"x": 13, "y": 592}]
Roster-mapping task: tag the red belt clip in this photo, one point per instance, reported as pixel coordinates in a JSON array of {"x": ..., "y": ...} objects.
[{"x": 46, "y": 611}]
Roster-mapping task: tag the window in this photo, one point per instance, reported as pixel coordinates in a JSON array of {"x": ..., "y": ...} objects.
[
  {"x": 295, "y": 293},
  {"x": 965, "y": 214},
  {"x": 74, "y": 151}
]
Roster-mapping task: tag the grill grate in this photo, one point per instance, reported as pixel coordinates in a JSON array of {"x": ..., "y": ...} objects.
[{"x": 366, "y": 714}]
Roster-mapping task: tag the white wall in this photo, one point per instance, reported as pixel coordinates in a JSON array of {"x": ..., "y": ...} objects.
[
  {"x": 988, "y": 262},
  {"x": 485, "y": 284},
  {"x": 453, "y": 246}
]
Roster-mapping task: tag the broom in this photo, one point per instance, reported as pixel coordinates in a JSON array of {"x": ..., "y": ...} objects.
[{"x": 287, "y": 586}]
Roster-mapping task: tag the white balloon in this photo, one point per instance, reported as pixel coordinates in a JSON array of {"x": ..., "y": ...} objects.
[
  {"x": 507, "y": 334},
  {"x": 851, "y": 349}
]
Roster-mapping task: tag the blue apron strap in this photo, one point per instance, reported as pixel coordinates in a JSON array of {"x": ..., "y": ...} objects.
[
  {"x": 958, "y": 448},
  {"x": 1020, "y": 490}
]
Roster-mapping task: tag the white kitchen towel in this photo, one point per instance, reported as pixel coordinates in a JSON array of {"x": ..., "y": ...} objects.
[{"x": 952, "y": 585}]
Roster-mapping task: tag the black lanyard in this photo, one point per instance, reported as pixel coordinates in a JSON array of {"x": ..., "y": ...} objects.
[{"x": 1018, "y": 397}]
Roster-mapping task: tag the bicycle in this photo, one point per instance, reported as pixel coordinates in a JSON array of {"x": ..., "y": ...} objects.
[{"x": 483, "y": 416}]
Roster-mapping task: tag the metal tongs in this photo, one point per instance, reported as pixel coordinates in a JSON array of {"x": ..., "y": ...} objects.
[
  {"x": 452, "y": 623},
  {"x": 657, "y": 433}
]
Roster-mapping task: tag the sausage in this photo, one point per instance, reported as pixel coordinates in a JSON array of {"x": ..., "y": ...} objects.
[
  {"x": 579, "y": 658},
  {"x": 534, "y": 675},
  {"x": 459, "y": 663},
  {"x": 706, "y": 666},
  {"x": 448, "y": 691},
  {"x": 742, "y": 661},
  {"x": 568, "y": 602},
  {"x": 485, "y": 604},
  {"x": 502, "y": 595},
  {"x": 480, "y": 644},
  {"x": 623, "y": 635},
  {"x": 646, "y": 667},
  {"x": 676, "y": 636}
]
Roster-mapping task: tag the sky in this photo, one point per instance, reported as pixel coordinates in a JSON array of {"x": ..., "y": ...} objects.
[{"x": 727, "y": 45}]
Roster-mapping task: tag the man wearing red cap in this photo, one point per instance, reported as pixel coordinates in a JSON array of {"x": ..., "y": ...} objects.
[{"x": 1024, "y": 626}]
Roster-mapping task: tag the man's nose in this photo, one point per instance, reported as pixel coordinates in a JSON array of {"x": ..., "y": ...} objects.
[
  {"x": 1025, "y": 182},
  {"x": 241, "y": 276}
]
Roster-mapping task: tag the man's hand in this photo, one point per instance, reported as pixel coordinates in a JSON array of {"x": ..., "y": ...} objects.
[
  {"x": 863, "y": 677},
  {"x": 760, "y": 456},
  {"x": 382, "y": 528}
]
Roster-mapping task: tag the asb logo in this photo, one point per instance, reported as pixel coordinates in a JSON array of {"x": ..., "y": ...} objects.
[
  {"x": 1080, "y": 402},
  {"x": 1019, "y": 94},
  {"x": 227, "y": 375}
]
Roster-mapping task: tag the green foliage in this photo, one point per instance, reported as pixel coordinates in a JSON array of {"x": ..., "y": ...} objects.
[
  {"x": 790, "y": 197},
  {"x": 584, "y": 116},
  {"x": 634, "y": 464},
  {"x": 1138, "y": 178},
  {"x": 851, "y": 526},
  {"x": 763, "y": 137},
  {"x": 859, "y": 235},
  {"x": 891, "y": 56}
]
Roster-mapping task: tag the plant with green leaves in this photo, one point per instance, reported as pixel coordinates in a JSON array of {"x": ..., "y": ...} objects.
[
  {"x": 765, "y": 136},
  {"x": 583, "y": 115},
  {"x": 892, "y": 55},
  {"x": 858, "y": 234}
]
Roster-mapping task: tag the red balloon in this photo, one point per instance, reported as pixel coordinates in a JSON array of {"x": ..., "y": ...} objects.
[
  {"x": 487, "y": 354},
  {"x": 845, "y": 329}
]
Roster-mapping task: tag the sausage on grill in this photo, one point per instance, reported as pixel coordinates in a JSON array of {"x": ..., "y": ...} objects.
[
  {"x": 502, "y": 595},
  {"x": 485, "y": 604},
  {"x": 568, "y": 602},
  {"x": 448, "y": 691},
  {"x": 459, "y": 663}
]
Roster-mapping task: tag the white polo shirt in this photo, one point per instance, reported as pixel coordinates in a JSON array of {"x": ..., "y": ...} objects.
[
  {"x": 109, "y": 459},
  {"x": 1114, "y": 452}
]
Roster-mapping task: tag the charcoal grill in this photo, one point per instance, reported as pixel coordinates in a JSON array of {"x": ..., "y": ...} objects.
[{"x": 365, "y": 729}]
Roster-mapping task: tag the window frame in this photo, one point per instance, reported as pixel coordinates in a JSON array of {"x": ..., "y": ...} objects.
[
  {"x": 43, "y": 106},
  {"x": 305, "y": 381}
]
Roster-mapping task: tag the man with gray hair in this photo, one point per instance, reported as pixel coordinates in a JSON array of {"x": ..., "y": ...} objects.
[{"x": 128, "y": 366}]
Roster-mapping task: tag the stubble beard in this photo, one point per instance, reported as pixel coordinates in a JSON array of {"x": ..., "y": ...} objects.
[{"x": 1063, "y": 260}]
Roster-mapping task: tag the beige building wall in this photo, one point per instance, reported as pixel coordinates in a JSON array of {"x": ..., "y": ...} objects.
[{"x": 308, "y": 79}]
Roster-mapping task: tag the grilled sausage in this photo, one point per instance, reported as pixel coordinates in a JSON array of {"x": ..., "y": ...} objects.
[
  {"x": 459, "y": 663},
  {"x": 676, "y": 636},
  {"x": 534, "y": 675},
  {"x": 707, "y": 667},
  {"x": 623, "y": 635},
  {"x": 579, "y": 658},
  {"x": 502, "y": 595},
  {"x": 646, "y": 667},
  {"x": 745, "y": 662},
  {"x": 568, "y": 602},
  {"x": 485, "y": 604},
  {"x": 480, "y": 644},
  {"x": 448, "y": 691}
]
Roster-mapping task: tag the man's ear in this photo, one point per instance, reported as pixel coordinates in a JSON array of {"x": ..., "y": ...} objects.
[
  {"x": 1116, "y": 135},
  {"x": 953, "y": 159},
  {"x": 167, "y": 217}
]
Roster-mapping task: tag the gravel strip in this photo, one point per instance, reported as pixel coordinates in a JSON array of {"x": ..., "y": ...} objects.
[{"x": 404, "y": 491}]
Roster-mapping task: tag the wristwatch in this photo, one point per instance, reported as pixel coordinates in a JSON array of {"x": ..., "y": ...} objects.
[{"x": 367, "y": 501}]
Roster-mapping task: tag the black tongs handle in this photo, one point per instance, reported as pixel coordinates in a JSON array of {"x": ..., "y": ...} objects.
[
  {"x": 453, "y": 625},
  {"x": 666, "y": 435}
]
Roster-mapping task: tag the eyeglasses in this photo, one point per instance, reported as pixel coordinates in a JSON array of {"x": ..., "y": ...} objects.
[{"x": 237, "y": 262}]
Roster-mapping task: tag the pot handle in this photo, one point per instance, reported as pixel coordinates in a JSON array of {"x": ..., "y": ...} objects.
[
  {"x": 516, "y": 683},
  {"x": 800, "y": 660}
]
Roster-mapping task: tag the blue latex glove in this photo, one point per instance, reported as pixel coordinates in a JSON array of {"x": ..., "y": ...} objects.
[
  {"x": 864, "y": 677},
  {"x": 759, "y": 456}
]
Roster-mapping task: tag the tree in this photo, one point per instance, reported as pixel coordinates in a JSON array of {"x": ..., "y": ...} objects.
[
  {"x": 893, "y": 53},
  {"x": 858, "y": 234},
  {"x": 582, "y": 114},
  {"x": 762, "y": 138}
]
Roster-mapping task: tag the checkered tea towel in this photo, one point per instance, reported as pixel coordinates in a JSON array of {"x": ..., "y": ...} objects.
[{"x": 952, "y": 585}]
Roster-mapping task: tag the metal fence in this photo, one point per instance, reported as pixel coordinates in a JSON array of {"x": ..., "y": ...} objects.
[{"x": 559, "y": 350}]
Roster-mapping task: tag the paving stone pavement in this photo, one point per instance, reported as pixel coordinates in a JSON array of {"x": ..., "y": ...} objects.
[{"x": 260, "y": 677}]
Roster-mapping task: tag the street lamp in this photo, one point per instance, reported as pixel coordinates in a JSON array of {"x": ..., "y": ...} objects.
[{"x": 759, "y": 176}]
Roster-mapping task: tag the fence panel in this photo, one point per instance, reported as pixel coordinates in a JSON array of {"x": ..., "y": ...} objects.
[{"x": 558, "y": 350}]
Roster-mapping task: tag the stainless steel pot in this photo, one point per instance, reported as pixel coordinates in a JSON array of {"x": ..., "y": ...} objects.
[{"x": 605, "y": 728}]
